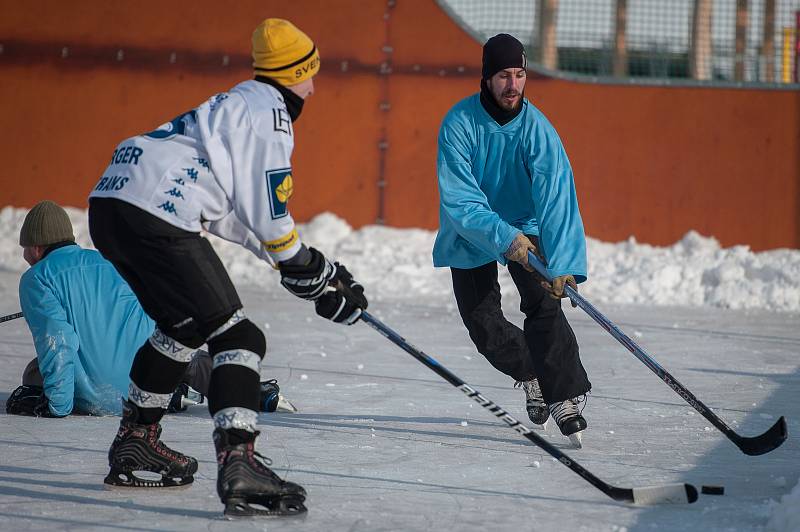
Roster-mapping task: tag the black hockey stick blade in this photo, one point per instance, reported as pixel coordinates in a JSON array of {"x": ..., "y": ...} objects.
[
  {"x": 669, "y": 494},
  {"x": 766, "y": 442},
  {"x": 756, "y": 445}
]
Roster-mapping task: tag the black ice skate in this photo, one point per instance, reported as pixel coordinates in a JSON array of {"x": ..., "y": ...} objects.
[
  {"x": 184, "y": 397},
  {"x": 243, "y": 479},
  {"x": 534, "y": 402},
  {"x": 569, "y": 419},
  {"x": 137, "y": 447},
  {"x": 271, "y": 400}
]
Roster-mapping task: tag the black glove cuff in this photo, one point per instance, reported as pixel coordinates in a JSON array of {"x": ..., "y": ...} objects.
[{"x": 308, "y": 281}]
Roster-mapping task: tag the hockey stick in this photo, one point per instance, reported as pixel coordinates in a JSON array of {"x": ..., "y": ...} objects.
[
  {"x": 755, "y": 445},
  {"x": 10, "y": 317},
  {"x": 671, "y": 493}
]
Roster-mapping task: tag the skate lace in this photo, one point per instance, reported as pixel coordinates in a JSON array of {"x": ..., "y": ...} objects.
[
  {"x": 564, "y": 409},
  {"x": 533, "y": 392},
  {"x": 264, "y": 460},
  {"x": 583, "y": 400},
  {"x": 161, "y": 448},
  {"x": 264, "y": 463}
]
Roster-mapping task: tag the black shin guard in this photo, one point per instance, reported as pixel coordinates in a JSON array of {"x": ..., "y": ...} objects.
[
  {"x": 155, "y": 373},
  {"x": 233, "y": 386},
  {"x": 235, "y": 377}
]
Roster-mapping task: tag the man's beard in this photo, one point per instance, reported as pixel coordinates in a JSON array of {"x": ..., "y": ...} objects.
[
  {"x": 491, "y": 102},
  {"x": 510, "y": 94}
]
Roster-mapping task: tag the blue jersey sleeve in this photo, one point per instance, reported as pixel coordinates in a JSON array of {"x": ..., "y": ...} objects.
[
  {"x": 462, "y": 200},
  {"x": 54, "y": 339},
  {"x": 561, "y": 233}
]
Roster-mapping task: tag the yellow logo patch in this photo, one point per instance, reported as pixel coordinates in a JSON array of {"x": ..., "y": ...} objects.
[
  {"x": 284, "y": 191},
  {"x": 281, "y": 186}
]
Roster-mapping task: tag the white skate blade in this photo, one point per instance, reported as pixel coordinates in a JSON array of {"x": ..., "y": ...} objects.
[
  {"x": 285, "y": 406},
  {"x": 186, "y": 403},
  {"x": 576, "y": 439},
  {"x": 192, "y": 398},
  {"x": 543, "y": 426}
]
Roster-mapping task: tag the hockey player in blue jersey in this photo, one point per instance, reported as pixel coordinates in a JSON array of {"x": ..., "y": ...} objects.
[
  {"x": 86, "y": 326},
  {"x": 82, "y": 317},
  {"x": 506, "y": 188}
]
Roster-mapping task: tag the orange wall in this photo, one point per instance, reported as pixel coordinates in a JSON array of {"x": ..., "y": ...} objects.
[{"x": 649, "y": 161}]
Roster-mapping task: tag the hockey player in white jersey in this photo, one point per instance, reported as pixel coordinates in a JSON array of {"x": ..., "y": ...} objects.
[{"x": 224, "y": 166}]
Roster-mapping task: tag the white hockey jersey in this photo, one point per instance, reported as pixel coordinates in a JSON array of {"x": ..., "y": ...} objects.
[{"x": 224, "y": 166}]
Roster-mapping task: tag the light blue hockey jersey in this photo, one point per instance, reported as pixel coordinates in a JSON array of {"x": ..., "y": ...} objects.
[
  {"x": 495, "y": 181},
  {"x": 86, "y": 325}
]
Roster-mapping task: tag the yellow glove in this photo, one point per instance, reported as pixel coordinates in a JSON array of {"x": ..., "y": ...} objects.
[
  {"x": 518, "y": 251},
  {"x": 556, "y": 289}
]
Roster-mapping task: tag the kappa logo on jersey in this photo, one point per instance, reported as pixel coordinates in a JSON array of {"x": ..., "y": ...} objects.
[
  {"x": 202, "y": 162},
  {"x": 169, "y": 207},
  {"x": 175, "y": 193},
  {"x": 191, "y": 174},
  {"x": 280, "y": 190}
]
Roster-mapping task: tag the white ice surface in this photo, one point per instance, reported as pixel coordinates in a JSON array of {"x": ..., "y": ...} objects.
[{"x": 383, "y": 443}]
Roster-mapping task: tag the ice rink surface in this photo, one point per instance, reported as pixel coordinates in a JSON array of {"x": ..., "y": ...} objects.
[{"x": 383, "y": 443}]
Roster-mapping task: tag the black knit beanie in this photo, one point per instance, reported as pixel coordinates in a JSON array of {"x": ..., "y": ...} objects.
[{"x": 502, "y": 51}]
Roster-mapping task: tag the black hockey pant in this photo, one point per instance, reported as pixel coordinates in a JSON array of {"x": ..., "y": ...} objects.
[
  {"x": 182, "y": 284},
  {"x": 547, "y": 348}
]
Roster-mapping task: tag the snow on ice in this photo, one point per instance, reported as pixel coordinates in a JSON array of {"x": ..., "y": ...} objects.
[{"x": 396, "y": 263}]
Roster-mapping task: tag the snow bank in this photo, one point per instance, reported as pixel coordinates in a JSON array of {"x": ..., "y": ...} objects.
[
  {"x": 786, "y": 514},
  {"x": 695, "y": 271},
  {"x": 396, "y": 263}
]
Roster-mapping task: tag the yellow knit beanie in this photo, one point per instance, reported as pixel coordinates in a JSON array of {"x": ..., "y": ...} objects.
[{"x": 283, "y": 52}]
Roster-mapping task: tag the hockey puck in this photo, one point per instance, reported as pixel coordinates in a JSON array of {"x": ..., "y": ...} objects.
[{"x": 712, "y": 490}]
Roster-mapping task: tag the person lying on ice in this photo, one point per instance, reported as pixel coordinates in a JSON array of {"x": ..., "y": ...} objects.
[{"x": 86, "y": 326}]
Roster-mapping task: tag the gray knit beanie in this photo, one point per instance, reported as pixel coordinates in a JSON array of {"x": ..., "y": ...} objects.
[{"x": 45, "y": 224}]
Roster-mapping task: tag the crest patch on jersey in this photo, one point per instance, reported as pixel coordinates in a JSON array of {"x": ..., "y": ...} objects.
[{"x": 280, "y": 190}]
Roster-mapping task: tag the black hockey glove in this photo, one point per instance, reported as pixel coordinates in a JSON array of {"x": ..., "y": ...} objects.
[
  {"x": 28, "y": 401},
  {"x": 344, "y": 300},
  {"x": 307, "y": 281}
]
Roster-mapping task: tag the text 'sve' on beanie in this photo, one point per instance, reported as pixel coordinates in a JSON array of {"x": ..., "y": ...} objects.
[{"x": 284, "y": 53}]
